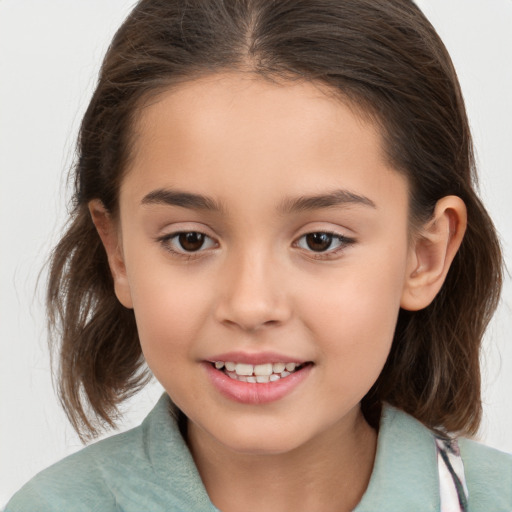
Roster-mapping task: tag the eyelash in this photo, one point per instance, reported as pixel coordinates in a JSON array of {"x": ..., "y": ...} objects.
[
  {"x": 167, "y": 242},
  {"x": 343, "y": 241}
]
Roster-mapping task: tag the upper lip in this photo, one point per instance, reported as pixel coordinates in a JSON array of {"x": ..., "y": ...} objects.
[{"x": 255, "y": 358}]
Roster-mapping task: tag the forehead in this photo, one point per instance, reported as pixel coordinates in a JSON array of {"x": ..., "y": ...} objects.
[
  {"x": 242, "y": 100},
  {"x": 234, "y": 131}
]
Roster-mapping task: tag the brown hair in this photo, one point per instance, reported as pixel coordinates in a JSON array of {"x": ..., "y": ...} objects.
[{"x": 384, "y": 57}]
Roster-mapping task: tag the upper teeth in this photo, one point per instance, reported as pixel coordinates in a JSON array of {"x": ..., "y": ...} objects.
[{"x": 256, "y": 369}]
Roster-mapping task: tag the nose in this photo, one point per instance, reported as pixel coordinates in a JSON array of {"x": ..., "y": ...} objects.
[{"x": 252, "y": 294}]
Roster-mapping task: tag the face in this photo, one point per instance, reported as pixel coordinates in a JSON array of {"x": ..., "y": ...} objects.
[{"x": 262, "y": 229}]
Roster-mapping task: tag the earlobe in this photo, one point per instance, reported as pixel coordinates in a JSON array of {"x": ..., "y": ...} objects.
[
  {"x": 432, "y": 252},
  {"x": 108, "y": 230}
]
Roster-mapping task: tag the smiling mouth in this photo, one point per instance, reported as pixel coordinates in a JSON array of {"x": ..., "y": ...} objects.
[{"x": 257, "y": 373}]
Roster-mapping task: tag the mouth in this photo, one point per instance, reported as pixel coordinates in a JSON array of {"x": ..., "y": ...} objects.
[
  {"x": 258, "y": 373},
  {"x": 256, "y": 379}
]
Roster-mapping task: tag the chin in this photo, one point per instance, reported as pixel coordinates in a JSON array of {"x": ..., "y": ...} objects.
[
  {"x": 266, "y": 445},
  {"x": 262, "y": 436}
]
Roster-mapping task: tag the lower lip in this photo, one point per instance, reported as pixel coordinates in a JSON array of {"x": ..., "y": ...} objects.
[{"x": 253, "y": 393}]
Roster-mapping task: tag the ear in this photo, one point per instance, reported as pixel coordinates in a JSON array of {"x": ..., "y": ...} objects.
[
  {"x": 432, "y": 252},
  {"x": 109, "y": 232}
]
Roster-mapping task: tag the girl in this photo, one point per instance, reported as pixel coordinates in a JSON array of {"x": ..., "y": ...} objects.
[{"x": 275, "y": 211}]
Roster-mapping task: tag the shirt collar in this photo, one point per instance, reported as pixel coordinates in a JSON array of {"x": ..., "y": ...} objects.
[
  {"x": 171, "y": 460},
  {"x": 404, "y": 475}
]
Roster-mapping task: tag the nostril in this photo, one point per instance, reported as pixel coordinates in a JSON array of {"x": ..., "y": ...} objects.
[
  {"x": 251, "y": 326},
  {"x": 251, "y": 314},
  {"x": 252, "y": 297}
]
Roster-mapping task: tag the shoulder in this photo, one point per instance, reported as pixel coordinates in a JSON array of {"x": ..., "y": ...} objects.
[
  {"x": 408, "y": 475},
  {"x": 147, "y": 468},
  {"x": 488, "y": 475},
  {"x": 79, "y": 482}
]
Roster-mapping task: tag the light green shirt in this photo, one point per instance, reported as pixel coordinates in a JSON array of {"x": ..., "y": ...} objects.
[{"x": 150, "y": 469}]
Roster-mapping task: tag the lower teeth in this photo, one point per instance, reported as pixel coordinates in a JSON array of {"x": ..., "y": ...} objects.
[{"x": 260, "y": 379}]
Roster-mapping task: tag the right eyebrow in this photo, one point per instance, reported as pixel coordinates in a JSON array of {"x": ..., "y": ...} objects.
[{"x": 170, "y": 197}]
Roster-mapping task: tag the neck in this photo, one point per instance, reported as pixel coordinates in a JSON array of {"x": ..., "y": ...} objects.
[{"x": 330, "y": 472}]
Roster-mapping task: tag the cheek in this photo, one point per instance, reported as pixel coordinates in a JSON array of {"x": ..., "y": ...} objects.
[
  {"x": 361, "y": 297},
  {"x": 354, "y": 317},
  {"x": 169, "y": 312}
]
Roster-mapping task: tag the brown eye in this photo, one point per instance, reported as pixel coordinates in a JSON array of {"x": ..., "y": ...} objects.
[
  {"x": 183, "y": 243},
  {"x": 192, "y": 241},
  {"x": 319, "y": 242},
  {"x": 324, "y": 243}
]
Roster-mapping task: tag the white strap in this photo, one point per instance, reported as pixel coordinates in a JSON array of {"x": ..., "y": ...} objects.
[{"x": 452, "y": 481}]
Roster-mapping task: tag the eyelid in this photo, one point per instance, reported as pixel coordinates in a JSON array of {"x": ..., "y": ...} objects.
[
  {"x": 166, "y": 241},
  {"x": 344, "y": 241}
]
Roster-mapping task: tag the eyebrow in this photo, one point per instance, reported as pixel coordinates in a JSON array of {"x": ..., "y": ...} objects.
[
  {"x": 183, "y": 199},
  {"x": 330, "y": 199},
  {"x": 290, "y": 205}
]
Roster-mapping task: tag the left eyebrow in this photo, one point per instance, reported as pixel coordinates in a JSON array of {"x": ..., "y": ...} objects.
[
  {"x": 180, "y": 198},
  {"x": 328, "y": 200}
]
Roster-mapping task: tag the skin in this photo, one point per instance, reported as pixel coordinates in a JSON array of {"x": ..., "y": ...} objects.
[{"x": 254, "y": 148}]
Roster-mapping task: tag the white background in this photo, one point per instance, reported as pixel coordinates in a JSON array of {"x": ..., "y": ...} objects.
[{"x": 49, "y": 57}]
